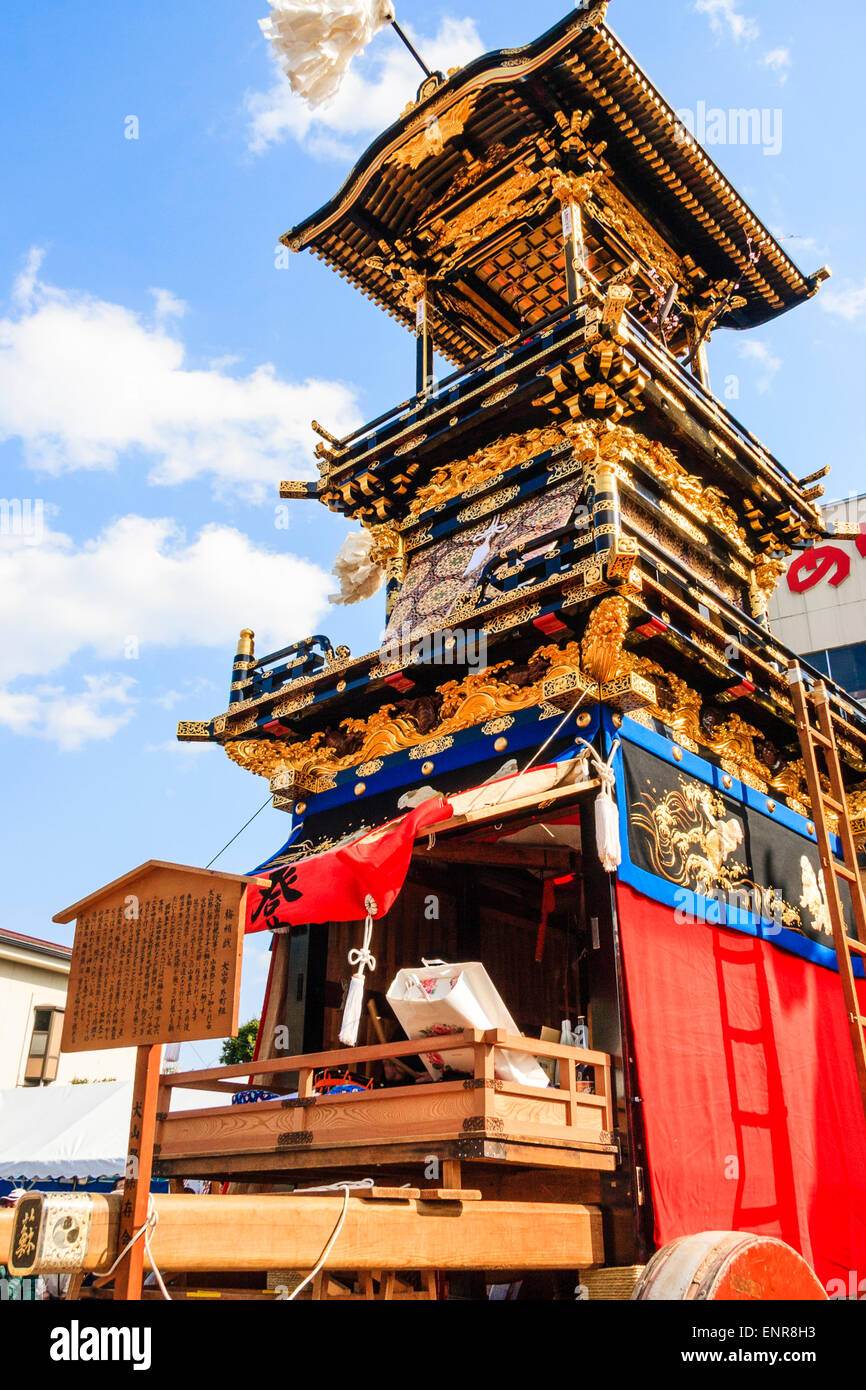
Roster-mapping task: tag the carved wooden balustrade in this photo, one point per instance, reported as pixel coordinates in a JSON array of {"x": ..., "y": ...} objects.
[{"x": 468, "y": 1117}]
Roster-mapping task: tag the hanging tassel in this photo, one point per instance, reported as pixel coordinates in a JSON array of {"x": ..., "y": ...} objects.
[
  {"x": 364, "y": 960},
  {"x": 316, "y": 40},
  {"x": 606, "y": 813},
  {"x": 607, "y": 822}
]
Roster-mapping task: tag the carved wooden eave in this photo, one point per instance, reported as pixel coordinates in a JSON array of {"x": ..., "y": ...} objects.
[
  {"x": 380, "y": 474},
  {"x": 496, "y": 130}
]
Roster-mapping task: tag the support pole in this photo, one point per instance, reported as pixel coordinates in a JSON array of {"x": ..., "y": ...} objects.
[
  {"x": 574, "y": 250},
  {"x": 242, "y": 665},
  {"x": 602, "y": 495},
  {"x": 424, "y": 349},
  {"x": 139, "y": 1168},
  {"x": 415, "y": 54}
]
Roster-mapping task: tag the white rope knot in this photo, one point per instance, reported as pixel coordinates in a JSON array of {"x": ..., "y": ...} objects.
[
  {"x": 606, "y": 776},
  {"x": 362, "y": 956}
]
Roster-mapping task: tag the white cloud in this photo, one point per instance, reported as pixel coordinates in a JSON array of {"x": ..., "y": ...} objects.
[
  {"x": 167, "y": 305},
  {"x": 374, "y": 92},
  {"x": 24, "y": 285},
  {"x": 185, "y": 753},
  {"x": 70, "y": 718},
  {"x": 142, "y": 579},
  {"x": 766, "y": 362},
  {"x": 724, "y": 16},
  {"x": 778, "y": 60},
  {"x": 846, "y": 301},
  {"x": 84, "y": 382}
]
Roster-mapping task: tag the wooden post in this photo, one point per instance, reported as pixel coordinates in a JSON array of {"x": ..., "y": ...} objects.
[
  {"x": 424, "y": 351},
  {"x": 139, "y": 1168},
  {"x": 573, "y": 250},
  {"x": 484, "y": 1079},
  {"x": 568, "y": 1083}
]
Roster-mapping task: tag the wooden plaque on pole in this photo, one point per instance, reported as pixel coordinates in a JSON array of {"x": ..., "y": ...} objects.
[{"x": 156, "y": 959}]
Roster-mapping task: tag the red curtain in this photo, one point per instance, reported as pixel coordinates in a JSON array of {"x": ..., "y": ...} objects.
[
  {"x": 333, "y": 886},
  {"x": 749, "y": 1091}
]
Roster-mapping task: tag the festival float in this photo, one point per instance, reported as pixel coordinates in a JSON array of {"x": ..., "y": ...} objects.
[{"x": 581, "y": 818}]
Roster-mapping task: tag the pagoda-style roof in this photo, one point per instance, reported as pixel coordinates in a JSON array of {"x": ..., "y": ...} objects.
[{"x": 462, "y": 189}]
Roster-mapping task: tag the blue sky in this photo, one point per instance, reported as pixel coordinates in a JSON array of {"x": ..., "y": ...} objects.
[{"x": 159, "y": 369}]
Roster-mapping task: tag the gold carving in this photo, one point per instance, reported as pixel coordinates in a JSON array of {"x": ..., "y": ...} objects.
[
  {"x": 429, "y": 750},
  {"x": 368, "y": 769},
  {"x": 498, "y": 726},
  {"x": 478, "y": 698},
  {"x": 612, "y": 209},
  {"x": 738, "y": 744},
  {"x": 491, "y": 461},
  {"x": 602, "y": 645},
  {"x": 857, "y": 810},
  {"x": 517, "y": 197},
  {"x": 762, "y": 585},
  {"x": 494, "y": 503},
  {"x": 435, "y": 135},
  {"x": 193, "y": 731}
]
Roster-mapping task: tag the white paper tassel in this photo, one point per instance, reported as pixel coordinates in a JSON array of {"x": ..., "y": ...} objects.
[
  {"x": 359, "y": 576},
  {"x": 316, "y": 40},
  {"x": 607, "y": 823},
  {"x": 355, "y": 996}
]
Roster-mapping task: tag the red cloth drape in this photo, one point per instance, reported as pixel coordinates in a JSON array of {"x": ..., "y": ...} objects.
[
  {"x": 333, "y": 886},
  {"x": 749, "y": 1090}
]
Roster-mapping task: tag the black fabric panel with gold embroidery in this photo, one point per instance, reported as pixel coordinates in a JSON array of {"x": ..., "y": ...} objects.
[{"x": 718, "y": 859}]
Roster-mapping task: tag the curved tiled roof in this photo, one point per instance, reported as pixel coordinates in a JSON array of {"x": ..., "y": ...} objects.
[{"x": 511, "y": 103}]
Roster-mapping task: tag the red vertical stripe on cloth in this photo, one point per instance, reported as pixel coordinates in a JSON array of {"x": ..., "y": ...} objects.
[{"x": 749, "y": 1090}]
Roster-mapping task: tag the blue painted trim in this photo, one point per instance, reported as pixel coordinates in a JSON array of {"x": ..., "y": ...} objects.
[
  {"x": 296, "y": 831},
  {"x": 470, "y": 746},
  {"x": 671, "y": 894}
]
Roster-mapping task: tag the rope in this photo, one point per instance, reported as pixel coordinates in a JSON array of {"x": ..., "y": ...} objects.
[
  {"x": 347, "y": 1187},
  {"x": 144, "y": 1232},
  {"x": 331, "y": 1242},
  {"x": 362, "y": 956},
  {"x": 240, "y": 832},
  {"x": 510, "y": 782}
]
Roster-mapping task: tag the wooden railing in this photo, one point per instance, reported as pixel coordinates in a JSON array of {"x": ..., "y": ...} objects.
[{"x": 568, "y": 1111}]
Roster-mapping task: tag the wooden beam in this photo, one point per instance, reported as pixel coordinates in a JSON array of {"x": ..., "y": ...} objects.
[
  {"x": 557, "y": 857},
  {"x": 358, "y": 1160},
  {"x": 7, "y": 1219},
  {"x": 268, "y": 1231}
]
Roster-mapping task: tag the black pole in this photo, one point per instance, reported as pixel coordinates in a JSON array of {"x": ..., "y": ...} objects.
[{"x": 415, "y": 54}]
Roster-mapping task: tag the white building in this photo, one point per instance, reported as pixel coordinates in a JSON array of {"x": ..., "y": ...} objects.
[
  {"x": 34, "y": 976},
  {"x": 819, "y": 608}
]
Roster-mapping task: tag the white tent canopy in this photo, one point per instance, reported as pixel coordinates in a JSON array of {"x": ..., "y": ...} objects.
[{"x": 57, "y": 1133}]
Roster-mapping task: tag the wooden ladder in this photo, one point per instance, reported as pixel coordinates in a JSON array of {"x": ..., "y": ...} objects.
[{"x": 824, "y": 738}]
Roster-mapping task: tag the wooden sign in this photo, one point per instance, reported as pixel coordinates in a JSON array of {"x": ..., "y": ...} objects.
[{"x": 156, "y": 959}]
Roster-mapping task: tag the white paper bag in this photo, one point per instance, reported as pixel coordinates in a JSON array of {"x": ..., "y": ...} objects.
[{"x": 437, "y": 999}]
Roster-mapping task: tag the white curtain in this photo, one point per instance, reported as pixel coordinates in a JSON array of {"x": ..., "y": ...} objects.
[{"x": 316, "y": 40}]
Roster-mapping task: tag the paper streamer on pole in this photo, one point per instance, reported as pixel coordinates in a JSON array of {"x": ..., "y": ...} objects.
[{"x": 316, "y": 40}]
